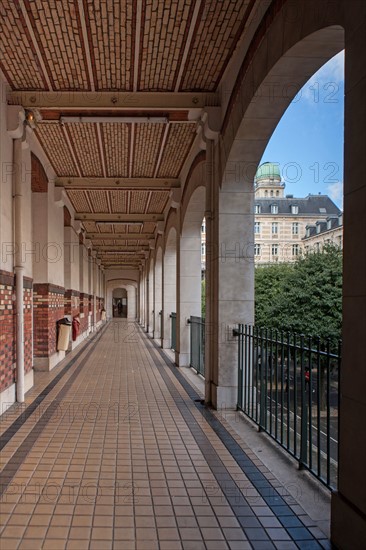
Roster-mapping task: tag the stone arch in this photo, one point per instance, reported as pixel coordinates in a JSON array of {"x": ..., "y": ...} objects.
[
  {"x": 189, "y": 264},
  {"x": 131, "y": 287},
  {"x": 169, "y": 283},
  {"x": 158, "y": 289}
]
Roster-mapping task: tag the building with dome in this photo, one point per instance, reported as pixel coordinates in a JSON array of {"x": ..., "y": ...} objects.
[{"x": 283, "y": 224}]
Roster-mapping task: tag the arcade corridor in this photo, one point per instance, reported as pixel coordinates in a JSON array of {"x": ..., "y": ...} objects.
[{"x": 116, "y": 451}]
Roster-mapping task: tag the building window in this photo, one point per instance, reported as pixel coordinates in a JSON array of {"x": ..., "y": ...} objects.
[
  {"x": 274, "y": 228},
  {"x": 203, "y": 249},
  {"x": 257, "y": 228},
  {"x": 274, "y": 209},
  {"x": 277, "y": 193},
  {"x": 274, "y": 250},
  {"x": 295, "y": 250},
  {"x": 266, "y": 193},
  {"x": 295, "y": 228},
  {"x": 257, "y": 208},
  {"x": 257, "y": 250},
  {"x": 294, "y": 209}
]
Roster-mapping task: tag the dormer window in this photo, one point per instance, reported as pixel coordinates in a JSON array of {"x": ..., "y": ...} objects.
[
  {"x": 329, "y": 224},
  {"x": 294, "y": 209},
  {"x": 274, "y": 209},
  {"x": 257, "y": 208},
  {"x": 308, "y": 231},
  {"x": 318, "y": 228}
]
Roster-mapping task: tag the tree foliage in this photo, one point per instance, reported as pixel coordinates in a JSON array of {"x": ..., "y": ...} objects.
[{"x": 304, "y": 297}]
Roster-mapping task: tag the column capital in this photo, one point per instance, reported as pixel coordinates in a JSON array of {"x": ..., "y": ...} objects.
[
  {"x": 15, "y": 121},
  {"x": 175, "y": 198}
]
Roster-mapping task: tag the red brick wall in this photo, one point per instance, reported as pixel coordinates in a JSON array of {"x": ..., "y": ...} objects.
[
  {"x": 48, "y": 301},
  {"x": 72, "y": 302},
  {"x": 84, "y": 308},
  {"x": 28, "y": 324},
  {"x": 7, "y": 330}
]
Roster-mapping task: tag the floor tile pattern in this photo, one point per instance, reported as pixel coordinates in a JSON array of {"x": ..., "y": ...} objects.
[{"x": 120, "y": 453}]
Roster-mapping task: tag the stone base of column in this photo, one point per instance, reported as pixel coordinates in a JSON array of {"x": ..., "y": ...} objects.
[
  {"x": 45, "y": 364},
  {"x": 166, "y": 343},
  {"x": 224, "y": 397},
  {"x": 348, "y": 524},
  {"x": 182, "y": 359}
]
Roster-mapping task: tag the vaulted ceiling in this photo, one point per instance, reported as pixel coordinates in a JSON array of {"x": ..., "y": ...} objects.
[{"x": 117, "y": 89}]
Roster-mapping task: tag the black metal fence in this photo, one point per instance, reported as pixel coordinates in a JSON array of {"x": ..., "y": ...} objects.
[
  {"x": 288, "y": 384},
  {"x": 173, "y": 331},
  {"x": 197, "y": 358}
]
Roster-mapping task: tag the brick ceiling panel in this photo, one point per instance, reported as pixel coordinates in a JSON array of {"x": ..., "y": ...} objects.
[
  {"x": 16, "y": 50},
  {"x": 119, "y": 201},
  {"x": 158, "y": 202},
  {"x": 110, "y": 35},
  {"x": 165, "y": 29},
  {"x": 146, "y": 149},
  {"x": 85, "y": 143},
  {"x": 120, "y": 228},
  {"x": 116, "y": 138},
  {"x": 134, "y": 229},
  {"x": 79, "y": 201},
  {"x": 138, "y": 201},
  {"x": 176, "y": 149},
  {"x": 218, "y": 32},
  {"x": 52, "y": 139},
  {"x": 90, "y": 227},
  {"x": 57, "y": 28},
  {"x": 98, "y": 200},
  {"x": 148, "y": 227}
]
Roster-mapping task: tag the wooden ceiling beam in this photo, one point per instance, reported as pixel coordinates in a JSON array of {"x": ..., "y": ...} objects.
[
  {"x": 120, "y": 218},
  {"x": 114, "y": 100},
  {"x": 121, "y": 236},
  {"x": 117, "y": 183}
]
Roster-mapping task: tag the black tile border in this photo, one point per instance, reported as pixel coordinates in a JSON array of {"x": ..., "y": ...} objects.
[{"x": 298, "y": 534}]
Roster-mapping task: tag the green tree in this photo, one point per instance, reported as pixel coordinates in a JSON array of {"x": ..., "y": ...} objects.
[{"x": 305, "y": 297}]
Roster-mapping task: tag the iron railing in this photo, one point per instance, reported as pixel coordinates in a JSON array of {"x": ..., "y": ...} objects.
[
  {"x": 173, "y": 331},
  {"x": 197, "y": 356},
  {"x": 288, "y": 384}
]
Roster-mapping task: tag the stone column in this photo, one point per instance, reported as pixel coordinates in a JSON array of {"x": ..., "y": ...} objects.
[
  {"x": 158, "y": 276},
  {"x": 348, "y": 519},
  {"x": 189, "y": 272},
  {"x": 169, "y": 286},
  {"x": 230, "y": 275},
  {"x": 151, "y": 300}
]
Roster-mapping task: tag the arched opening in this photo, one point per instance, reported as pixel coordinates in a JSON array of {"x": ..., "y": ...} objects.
[
  {"x": 169, "y": 289},
  {"x": 150, "y": 300},
  {"x": 120, "y": 303},
  {"x": 158, "y": 289},
  {"x": 190, "y": 268}
]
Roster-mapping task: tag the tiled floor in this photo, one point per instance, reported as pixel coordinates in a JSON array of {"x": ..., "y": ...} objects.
[{"x": 117, "y": 452}]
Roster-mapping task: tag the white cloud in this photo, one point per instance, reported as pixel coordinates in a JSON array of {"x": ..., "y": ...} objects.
[
  {"x": 335, "y": 191},
  {"x": 324, "y": 85}
]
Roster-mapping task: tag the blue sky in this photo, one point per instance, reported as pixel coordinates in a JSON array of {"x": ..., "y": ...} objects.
[{"x": 308, "y": 141}]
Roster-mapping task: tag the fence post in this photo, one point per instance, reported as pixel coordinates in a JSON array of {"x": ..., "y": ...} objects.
[{"x": 304, "y": 410}]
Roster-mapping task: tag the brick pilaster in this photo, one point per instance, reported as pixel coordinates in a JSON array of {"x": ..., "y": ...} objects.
[{"x": 48, "y": 303}]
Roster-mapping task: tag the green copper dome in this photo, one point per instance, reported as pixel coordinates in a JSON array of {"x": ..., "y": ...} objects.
[{"x": 268, "y": 171}]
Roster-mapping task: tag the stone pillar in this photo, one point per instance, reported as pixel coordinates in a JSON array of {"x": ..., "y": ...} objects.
[
  {"x": 169, "y": 286},
  {"x": 131, "y": 303},
  {"x": 189, "y": 273},
  {"x": 348, "y": 518},
  {"x": 150, "y": 300},
  {"x": 230, "y": 276},
  {"x": 158, "y": 282}
]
